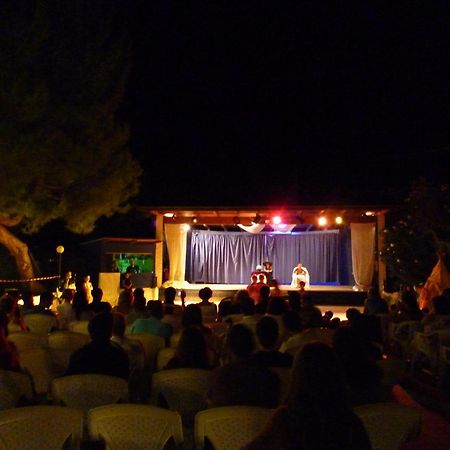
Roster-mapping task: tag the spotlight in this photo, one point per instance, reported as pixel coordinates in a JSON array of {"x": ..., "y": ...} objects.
[
  {"x": 194, "y": 220},
  {"x": 186, "y": 227},
  {"x": 322, "y": 221},
  {"x": 276, "y": 220},
  {"x": 369, "y": 213},
  {"x": 339, "y": 220},
  {"x": 170, "y": 215}
]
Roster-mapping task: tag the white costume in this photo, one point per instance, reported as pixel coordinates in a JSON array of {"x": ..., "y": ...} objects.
[{"x": 300, "y": 273}]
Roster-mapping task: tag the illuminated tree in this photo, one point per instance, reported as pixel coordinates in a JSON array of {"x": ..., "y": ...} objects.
[
  {"x": 421, "y": 232},
  {"x": 64, "y": 153}
]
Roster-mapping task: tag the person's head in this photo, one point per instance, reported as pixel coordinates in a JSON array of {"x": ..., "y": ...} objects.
[
  {"x": 351, "y": 313},
  {"x": 80, "y": 303},
  {"x": 261, "y": 279},
  {"x": 317, "y": 380},
  {"x": 119, "y": 325},
  {"x": 86, "y": 278},
  {"x": 292, "y": 321},
  {"x": 267, "y": 332},
  {"x": 239, "y": 296},
  {"x": 155, "y": 309},
  {"x": 131, "y": 262},
  {"x": 68, "y": 295},
  {"x": 299, "y": 265},
  {"x": 46, "y": 299},
  {"x": 301, "y": 285},
  {"x": 125, "y": 299},
  {"x": 276, "y": 306},
  {"x": 191, "y": 349},
  {"x": 240, "y": 341},
  {"x": 97, "y": 295},
  {"x": 169, "y": 295},
  {"x": 254, "y": 279},
  {"x": 192, "y": 316},
  {"x": 127, "y": 274},
  {"x": 100, "y": 327},
  {"x": 247, "y": 306},
  {"x": 259, "y": 268},
  {"x": 68, "y": 275},
  {"x": 139, "y": 303},
  {"x": 205, "y": 294}
]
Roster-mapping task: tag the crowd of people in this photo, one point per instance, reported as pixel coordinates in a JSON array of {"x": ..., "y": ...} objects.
[{"x": 334, "y": 363}]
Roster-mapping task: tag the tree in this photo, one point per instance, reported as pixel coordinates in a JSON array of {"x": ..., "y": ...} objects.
[
  {"x": 420, "y": 232},
  {"x": 64, "y": 153}
]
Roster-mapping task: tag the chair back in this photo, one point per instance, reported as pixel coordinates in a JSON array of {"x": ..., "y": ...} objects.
[
  {"x": 229, "y": 427},
  {"x": 151, "y": 344},
  {"x": 14, "y": 386},
  {"x": 39, "y": 323},
  {"x": 79, "y": 326},
  {"x": 61, "y": 345},
  {"x": 164, "y": 356},
  {"x": 389, "y": 425},
  {"x": 40, "y": 428},
  {"x": 133, "y": 426},
  {"x": 88, "y": 391},
  {"x": 24, "y": 340},
  {"x": 37, "y": 362},
  {"x": 184, "y": 390}
]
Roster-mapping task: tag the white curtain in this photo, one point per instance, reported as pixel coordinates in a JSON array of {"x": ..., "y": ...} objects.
[
  {"x": 176, "y": 246},
  {"x": 363, "y": 254}
]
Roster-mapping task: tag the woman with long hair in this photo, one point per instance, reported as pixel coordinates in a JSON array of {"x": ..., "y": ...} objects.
[{"x": 316, "y": 414}]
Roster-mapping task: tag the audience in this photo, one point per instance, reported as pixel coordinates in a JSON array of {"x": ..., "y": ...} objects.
[
  {"x": 124, "y": 302},
  {"x": 153, "y": 324},
  {"x": 65, "y": 310},
  {"x": 139, "y": 310},
  {"x": 374, "y": 304},
  {"x": 209, "y": 309},
  {"x": 310, "y": 315},
  {"x": 97, "y": 305},
  {"x": 101, "y": 355}
]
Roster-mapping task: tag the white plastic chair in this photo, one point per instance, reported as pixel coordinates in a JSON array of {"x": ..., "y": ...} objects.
[
  {"x": 183, "y": 389},
  {"x": 151, "y": 344},
  {"x": 164, "y": 356},
  {"x": 79, "y": 326},
  {"x": 37, "y": 362},
  {"x": 389, "y": 425},
  {"x": 40, "y": 323},
  {"x": 61, "y": 345},
  {"x": 24, "y": 340},
  {"x": 86, "y": 391},
  {"x": 132, "y": 426},
  {"x": 14, "y": 386},
  {"x": 40, "y": 428},
  {"x": 229, "y": 427}
]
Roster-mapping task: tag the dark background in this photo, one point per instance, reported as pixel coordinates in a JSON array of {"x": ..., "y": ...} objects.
[{"x": 257, "y": 102}]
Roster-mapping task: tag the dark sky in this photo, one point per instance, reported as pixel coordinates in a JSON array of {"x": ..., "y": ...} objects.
[{"x": 258, "y": 102}]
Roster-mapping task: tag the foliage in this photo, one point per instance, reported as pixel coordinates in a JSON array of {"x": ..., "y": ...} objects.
[
  {"x": 419, "y": 233},
  {"x": 64, "y": 154}
]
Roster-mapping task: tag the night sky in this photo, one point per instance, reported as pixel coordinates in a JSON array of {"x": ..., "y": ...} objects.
[{"x": 254, "y": 102}]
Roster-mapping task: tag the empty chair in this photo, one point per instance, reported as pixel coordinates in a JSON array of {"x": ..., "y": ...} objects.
[
  {"x": 132, "y": 426},
  {"x": 88, "y": 391},
  {"x": 184, "y": 390},
  {"x": 40, "y": 428},
  {"x": 229, "y": 427},
  {"x": 79, "y": 326},
  {"x": 40, "y": 323},
  {"x": 15, "y": 387},
  {"x": 61, "y": 345},
  {"x": 24, "y": 340},
  {"x": 389, "y": 425},
  {"x": 37, "y": 362},
  {"x": 151, "y": 344}
]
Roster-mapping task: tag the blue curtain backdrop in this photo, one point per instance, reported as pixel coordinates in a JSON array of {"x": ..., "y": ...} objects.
[{"x": 230, "y": 257}]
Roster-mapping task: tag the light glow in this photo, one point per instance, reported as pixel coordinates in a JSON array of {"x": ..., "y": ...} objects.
[
  {"x": 276, "y": 220},
  {"x": 322, "y": 221},
  {"x": 186, "y": 227},
  {"x": 339, "y": 220}
]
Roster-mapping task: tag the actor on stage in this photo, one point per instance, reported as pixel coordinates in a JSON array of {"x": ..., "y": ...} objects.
[{"x": 300, "y": 273}]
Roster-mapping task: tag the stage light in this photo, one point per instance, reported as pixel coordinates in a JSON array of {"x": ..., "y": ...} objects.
[
  {"x": 339, "y": 220},
  {"x": 369, "y": 213},
  {"x": 186, "y": 227},
  {"x": 276, "y": 220},
  {"x": 194, "y": 220},
  {"x": 170, "y": 215},
  {"x": 322, "y": 221}
]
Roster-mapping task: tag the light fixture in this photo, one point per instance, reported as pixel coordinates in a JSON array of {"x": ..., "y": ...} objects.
[
  {"x": 170, "y": 215},
  {"x": 186, "y": 227},
  {"x": 194, "y": 220},
  {"x": 369, "y": 213},
  {"x": 322, "y": 221},
  {"x": 339, "y": 220},
  {"x": 276, "y": 220}
]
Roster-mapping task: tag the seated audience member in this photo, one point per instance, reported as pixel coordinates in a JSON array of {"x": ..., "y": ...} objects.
[
  {"x": 65, "y": 310},
  {"x": 209, "y": 309},
  {"x": 225, "y": 309},
  {"x": 302, "y": 288},
  {"x": 351, "y": 314},
  {"x": 294, "y": 300},
  {"x": 153, "y": 324},
  {"x": 124, "y": 303},
  {"x": 407, "y": 308},
  {"x": 374, "y": 304},
  {"x": 276, "y": 308},
  {"x": 241, "y": 381},
  {"x": 97, "y": 305},
  {"x": 264, "y": 296},
  {"x": 101, "y": 355},
  {"x": 292, "y": 327},
  {"x": 439, "y": 315},
  {"x": 173, "y": 312},
  {"x": 249, "y": 319},
  {"x": 138, "y": 310},
  {"x": 269, "y": 356},
  {"x": 317, "y": 414},
  {"x": 361, "y": 370},
  {"x": 326, "y": 319},
  {"x": 9, "y": 356},
  {"x": 253, "y": 288},
  {"x": 274, "y": 288},
  {"x": 237, "y": 299},
  {"x": 8, "y": 304},
  {"x": 310, "y": 315},
  {"x": 80, "y": 306},
  {"x": 191, "y": 351},
  {"x": 45, "y": 302}
]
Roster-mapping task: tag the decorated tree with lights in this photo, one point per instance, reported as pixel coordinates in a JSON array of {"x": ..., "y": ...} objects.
[
  {"x": 64, "y": 153},
  {"x": 420, "y": 233}
]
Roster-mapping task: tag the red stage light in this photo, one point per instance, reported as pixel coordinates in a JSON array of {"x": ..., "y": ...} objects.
[{"x": 276, "y": 220}]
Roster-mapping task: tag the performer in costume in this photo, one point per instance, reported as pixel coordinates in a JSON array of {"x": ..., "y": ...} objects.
[{"x": 300, "y": 273}]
